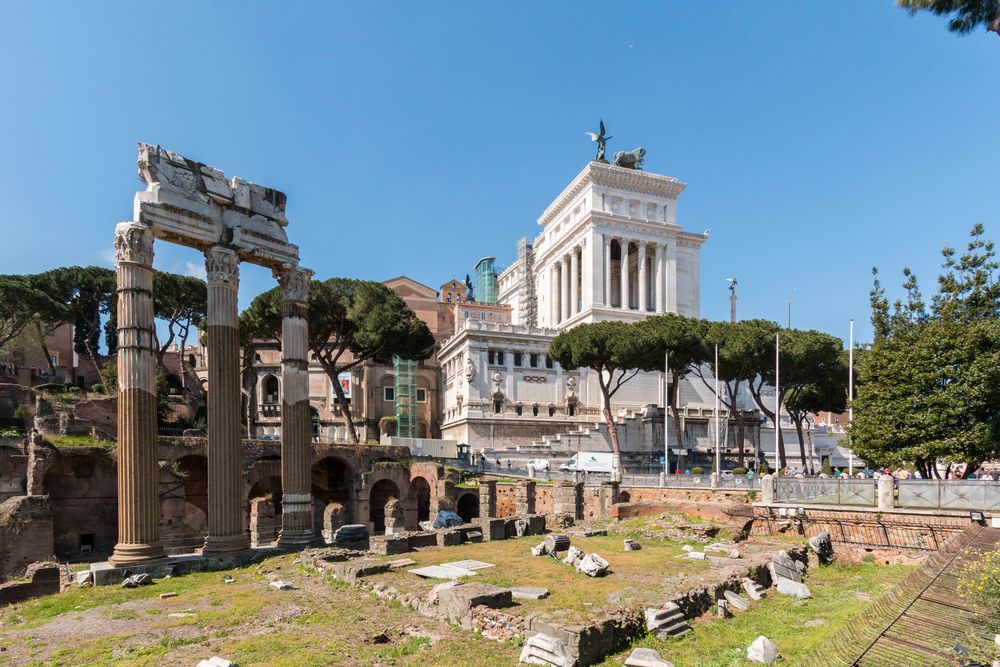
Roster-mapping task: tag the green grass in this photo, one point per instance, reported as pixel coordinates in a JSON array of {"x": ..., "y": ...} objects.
[
  {"x": 715, "y": 642},
  {"x": 79, "y": 441}
]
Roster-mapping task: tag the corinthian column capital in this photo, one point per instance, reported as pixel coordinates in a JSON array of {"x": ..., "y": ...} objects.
[
  {"x": 294, "y": 282},
  {"x": 222, "y": 266},
  {"x": 133, "y": 244}
]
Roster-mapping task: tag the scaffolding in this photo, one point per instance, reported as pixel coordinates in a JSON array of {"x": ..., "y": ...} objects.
[{"x": 407, "y": 420}]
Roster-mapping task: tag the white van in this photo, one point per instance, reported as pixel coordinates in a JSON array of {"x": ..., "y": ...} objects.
[{"x": 591, "y": 462}]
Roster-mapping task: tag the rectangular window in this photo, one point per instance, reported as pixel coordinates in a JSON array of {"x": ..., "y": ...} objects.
[
  {"x": 517, "y": 358},
  {"x": 491, "y": 357},
  {"x": 548, "y": 361},
  {"x": 500, "y": 357},
  {"x": 449, "y": 298},
  {"x": 389, "y": 393},
  {"x": 482, "y": 316},
  {"x": 421, "y": 395},
  {"x": 533, "y": 360}
]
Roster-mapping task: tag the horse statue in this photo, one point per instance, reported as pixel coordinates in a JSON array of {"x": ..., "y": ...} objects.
[{"x": 632, "y": 159}]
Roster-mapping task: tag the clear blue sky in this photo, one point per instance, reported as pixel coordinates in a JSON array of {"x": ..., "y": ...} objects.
[{"x": 817, "y": 139}]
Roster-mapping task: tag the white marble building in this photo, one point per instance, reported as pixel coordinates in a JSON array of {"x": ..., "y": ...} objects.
[{"x": 610, "y": 249}]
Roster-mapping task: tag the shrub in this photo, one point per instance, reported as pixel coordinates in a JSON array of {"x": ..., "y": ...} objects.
[
  {"x": 19, "y": 412},
  {"x": 697, "y": 470},
  {"x": 739, "y": 471},
  {"x": 981, "y": 584},
  {"x": 826, "y": 469}
]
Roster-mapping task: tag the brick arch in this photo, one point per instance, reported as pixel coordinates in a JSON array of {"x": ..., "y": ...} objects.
[
  {"x": 399, "y": 475},
  {"x": 467, "y": 505}
]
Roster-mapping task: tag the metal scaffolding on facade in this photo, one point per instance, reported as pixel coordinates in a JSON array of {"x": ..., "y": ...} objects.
[{"x": 407, "y": 420}]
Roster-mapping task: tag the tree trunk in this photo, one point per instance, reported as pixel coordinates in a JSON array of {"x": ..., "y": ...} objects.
[
  {"x": 45, "y": 348},
  {"x": 812, "y": 451},
  {"x": 802, "y": 442},
  {"x": 249, "y": 390},
  {"x": 609, "y": 420},
  {"x": 343, "y": 408},
  {"x": 780, "y": 454},
  {"x": 678, "y": 433},
  {"x": 738, "y": 416}
]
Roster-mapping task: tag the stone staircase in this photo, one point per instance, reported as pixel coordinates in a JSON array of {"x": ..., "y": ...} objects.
[{"x": 587, "y": 437}]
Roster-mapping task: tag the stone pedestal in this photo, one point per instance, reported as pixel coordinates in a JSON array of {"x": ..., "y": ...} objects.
[
  {"x": 767, "y": 489},
  {"x": 568, "y": 499},
  {"x": 524, "y": 498},
  {"x": 488, "y": 499},
  {"x": 296, "y": 429},
  {"x": 225, "y": 465},
  {"x": 886, "y": 495},
  {"x": 395, "y": 517},
  {"x": 138, "y": 476},
  {"x": 609, "y": 493},
  {"x": 334, "y": 516}
]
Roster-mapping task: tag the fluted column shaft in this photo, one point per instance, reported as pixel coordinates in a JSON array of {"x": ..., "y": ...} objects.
[
  {"x": 225, "y": 465},
  {"x": 574, "y": 282},
  {"x": 607, "y": 271},
  {"x": 554, "y": 307},
  {"x": 138, "y": 474},
  {"x": 643, "y": 280},
  {"x": 658, "y": 277},
  {"x": 564, "y": 268},
  {"x": 296, "y": 450},
  {"x": 626, "y": 301}
]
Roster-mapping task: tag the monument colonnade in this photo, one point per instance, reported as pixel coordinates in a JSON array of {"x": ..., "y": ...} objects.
[
  {"x": 190, "y": 203},
  {"x": 654, "y": 273}
]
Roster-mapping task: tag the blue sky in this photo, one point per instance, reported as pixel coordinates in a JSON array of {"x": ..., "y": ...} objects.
[{"x": 816, "y": 139}]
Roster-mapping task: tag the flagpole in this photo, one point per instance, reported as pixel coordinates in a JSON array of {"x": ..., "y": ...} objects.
[
  {"x": 850, "y": 400},
  {"x": 718, "y": 446},
  {"x": 666, "y": 415},
  {"x": 777, "y": 395}
]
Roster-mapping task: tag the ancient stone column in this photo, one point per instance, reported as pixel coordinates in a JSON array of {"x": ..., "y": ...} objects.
[
  {"x": 296, "y": 429},
  {"x": 225, "y": 466},
  {"x": 658, "y": 277},
  {"x": 886, "y": 493},
  {"x": 138, "y": 475},
  {"x": 767, "y": 489}
]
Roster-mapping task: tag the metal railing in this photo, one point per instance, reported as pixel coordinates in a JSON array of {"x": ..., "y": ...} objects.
[
  {"x": 826, "y": 491},
  {"x": 639, "y": 479}
]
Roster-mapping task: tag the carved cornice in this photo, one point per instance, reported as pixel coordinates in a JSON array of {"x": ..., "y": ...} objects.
[
  {"x": 641, "y": 182},
  {"x": 294, "y": 282},
  {"x": 222, "y": 266},
  {"x": 133, "y": 244}
]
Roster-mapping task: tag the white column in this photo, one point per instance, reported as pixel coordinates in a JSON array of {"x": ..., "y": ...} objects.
[
  {"x": 671, "y": 293},
  {"x": 574, "y": 282},
  {"x": 554, "y": 295},
  {"x": 643, "y": 280},
  {"x": 624, "y": 268},
  {"x": 658, "y": 273},
  {"x": 606, "y": 271},
  {"x": 564, "y": 270}
]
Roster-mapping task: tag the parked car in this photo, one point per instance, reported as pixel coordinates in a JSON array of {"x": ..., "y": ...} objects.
[
  {"x": 726, "y": 474},
  {"x": 539, "y": 464}
]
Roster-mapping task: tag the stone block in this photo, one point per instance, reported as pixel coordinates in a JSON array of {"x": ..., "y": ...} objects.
[
  {"x": 593, "y": 565},
  {"x": 542, "y": 649},
  {"x": 794, "y": 588},
  {"x": 782, "y": 565},
  {"x": 536, "y": 524},
  {"x": 474, "y": 536},
  {"x": 449, "y": 538},
  {"x": 762, "y": 650},
  {"x": 753, "y": 589},
  {"x": 539, "y": 550},
  {"x": 736, "y": 602},
  {"x": 457, "y": 602},
  {"x": 646, "y": 657},
  {"x": 631, "y": 545},
  {"x": 352, "y": 570},
  {"x": 521, "y": 528},
  {"x": 822, "y": 546},
  {"x": 529, "y": 592},
  {"x": 493, "y": 529},
  {"x": 388, "y": 545},
  {"x": 574, "y": 556},
  {"x": 666, "y": 622}
]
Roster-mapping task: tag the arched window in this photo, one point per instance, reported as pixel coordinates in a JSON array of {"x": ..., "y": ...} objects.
[{"x": 271, "y": 390}]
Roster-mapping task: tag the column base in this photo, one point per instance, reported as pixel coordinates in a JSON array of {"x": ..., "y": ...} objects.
[
  {"x": 291, "y": 539},
  {"x": 219, "y": 545},
  {"x": 136, "y": 554}
]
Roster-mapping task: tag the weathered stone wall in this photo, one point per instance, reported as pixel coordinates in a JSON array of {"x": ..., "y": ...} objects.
[
  {"x": 101, "y": 412},
  {"x": 25, "y": 533},
  {"x": 42, "y": 579},
  {"x": 13, "y": 473},
  {"x": 874, "y": 530}
]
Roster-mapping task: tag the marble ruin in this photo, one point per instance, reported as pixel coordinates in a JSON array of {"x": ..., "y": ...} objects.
[{"x": 230, "y": 221}]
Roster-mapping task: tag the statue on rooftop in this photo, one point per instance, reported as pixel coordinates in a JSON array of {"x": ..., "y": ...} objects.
[
  {"x": 469, "y": 291},
  {"x": 601, "y": 142},
  {"x": 632, "y": 159}
]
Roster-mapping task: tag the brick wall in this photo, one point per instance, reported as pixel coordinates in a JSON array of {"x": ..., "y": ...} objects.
[{"x": 25, "y": 533}]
